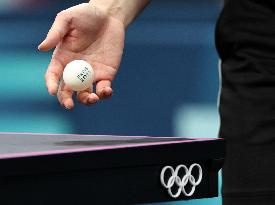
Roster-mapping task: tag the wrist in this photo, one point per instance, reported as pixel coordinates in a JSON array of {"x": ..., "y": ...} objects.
[
  {"x": 123, "y": 10},
  {"x": 112, "y": 8}
]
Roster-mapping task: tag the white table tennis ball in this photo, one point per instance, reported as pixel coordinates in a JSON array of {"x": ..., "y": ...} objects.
[{"x": 78, "y": 75}]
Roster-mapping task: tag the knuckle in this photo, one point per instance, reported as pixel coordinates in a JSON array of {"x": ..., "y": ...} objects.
[{"x": 61, "y": 14}]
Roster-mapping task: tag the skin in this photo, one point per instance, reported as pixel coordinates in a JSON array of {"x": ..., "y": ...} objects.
[{"x": 93, "y": 32}]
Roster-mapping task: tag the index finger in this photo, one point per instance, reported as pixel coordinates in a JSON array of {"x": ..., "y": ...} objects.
[{"x": 58, "y": 30}]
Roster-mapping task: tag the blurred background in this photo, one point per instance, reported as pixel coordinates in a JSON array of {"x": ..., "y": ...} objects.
[{"x": 170, "y": 63}]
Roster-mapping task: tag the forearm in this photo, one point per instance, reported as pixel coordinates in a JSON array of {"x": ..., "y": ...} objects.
[{"x": 124, "y": 10}]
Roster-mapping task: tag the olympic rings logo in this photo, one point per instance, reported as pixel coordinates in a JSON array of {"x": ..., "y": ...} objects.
[{"x": 181, "y": 182}]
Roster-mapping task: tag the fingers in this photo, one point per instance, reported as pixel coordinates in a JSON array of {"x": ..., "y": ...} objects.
[
  {"x": 65, "y": 96},
  {"x": 103, "y": 89},
  {"x": 87, "y": 97},
  {"x": 57, "y": 32},
  {"x": 53, "y": 76}
]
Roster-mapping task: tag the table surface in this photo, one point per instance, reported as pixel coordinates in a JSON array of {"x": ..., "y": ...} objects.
[{"x": 31, "y": 144}]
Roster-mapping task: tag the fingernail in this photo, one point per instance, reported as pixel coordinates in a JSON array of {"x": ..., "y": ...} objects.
[
  {"x": 67, "y": 107},
  {"x": 39, "y": 47},
  {"x": 91, "y": 101},
  {"x": 52, "y": 93}
]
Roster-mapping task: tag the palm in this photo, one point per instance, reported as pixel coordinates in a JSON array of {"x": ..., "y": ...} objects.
[
  {"x": 90, "y": 36},
  {"x": 102, "y": 46}
]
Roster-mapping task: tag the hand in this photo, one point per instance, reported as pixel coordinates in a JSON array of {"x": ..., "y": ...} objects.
[{"x": 84, "y": 32}]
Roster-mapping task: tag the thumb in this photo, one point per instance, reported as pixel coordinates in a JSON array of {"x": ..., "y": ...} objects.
[{"x": 57, "y": 32}]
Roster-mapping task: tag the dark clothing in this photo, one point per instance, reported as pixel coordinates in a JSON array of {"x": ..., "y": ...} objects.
[{"x": 245, "y": 40}]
